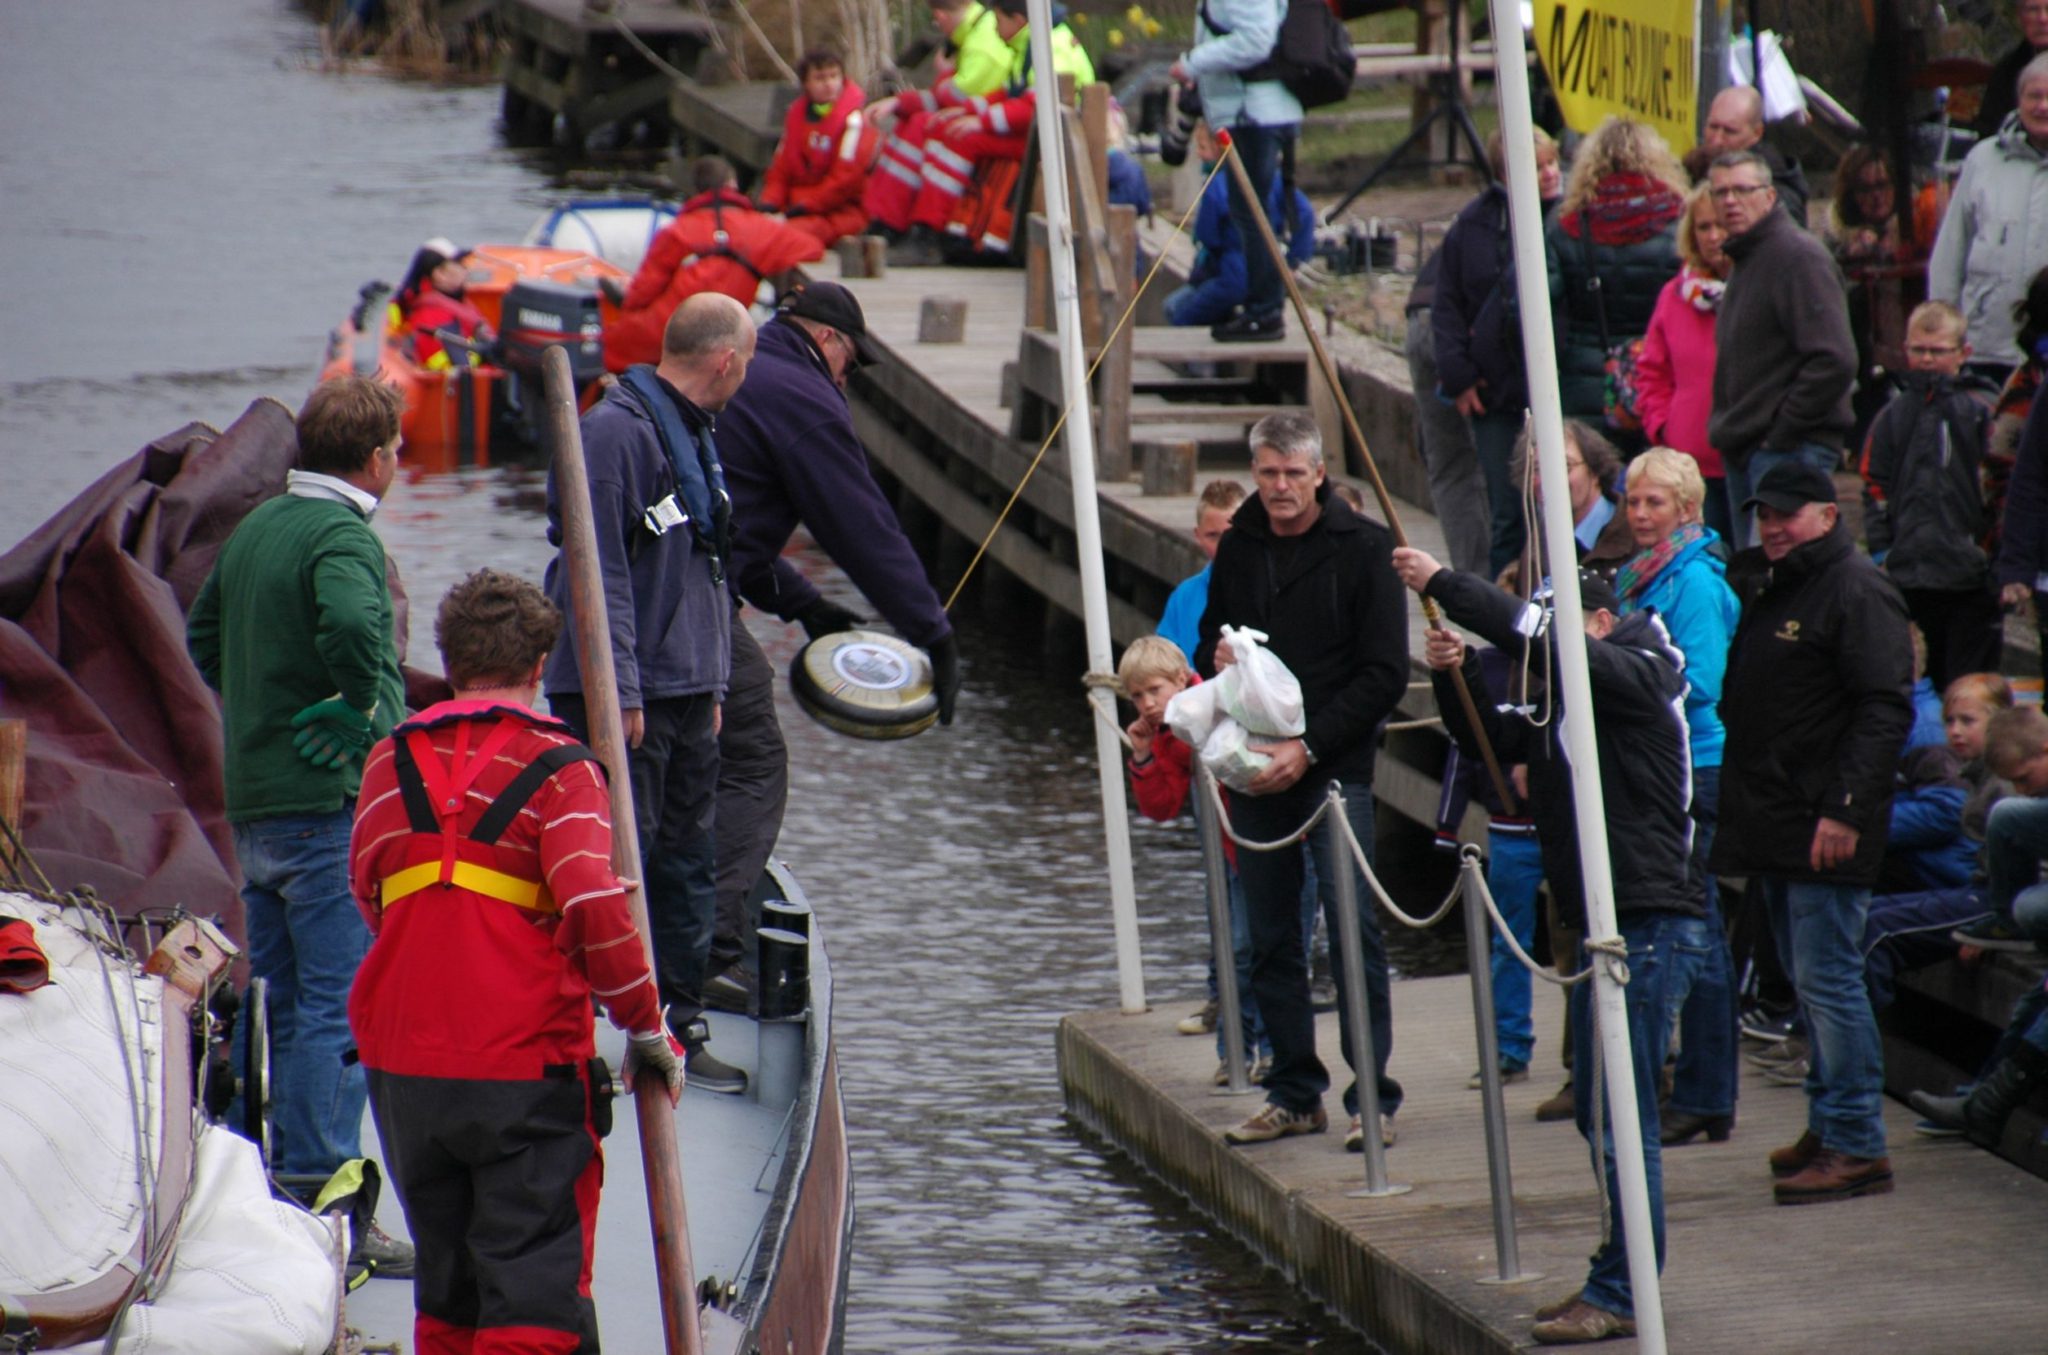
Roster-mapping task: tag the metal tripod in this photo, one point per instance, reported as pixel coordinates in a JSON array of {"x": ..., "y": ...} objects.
[{"x": 1448, "y": 89}]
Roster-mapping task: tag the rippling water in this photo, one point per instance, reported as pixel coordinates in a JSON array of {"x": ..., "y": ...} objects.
[{"x": 191, "y": 204}]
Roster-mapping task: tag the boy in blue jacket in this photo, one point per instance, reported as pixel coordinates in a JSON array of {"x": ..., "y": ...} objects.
[{"x": 1221, "y": 280}]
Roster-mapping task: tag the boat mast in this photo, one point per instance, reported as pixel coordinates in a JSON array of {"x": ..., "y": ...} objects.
[
  {"x": 1539, "y": 347},
  {"x": 1080, "y": 440}
]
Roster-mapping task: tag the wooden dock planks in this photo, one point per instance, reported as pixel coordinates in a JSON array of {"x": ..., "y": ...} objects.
[{"x": 1950, "y": 1262}]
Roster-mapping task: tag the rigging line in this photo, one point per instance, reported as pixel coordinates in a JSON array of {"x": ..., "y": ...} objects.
[{"x": 1074, "y": 398}]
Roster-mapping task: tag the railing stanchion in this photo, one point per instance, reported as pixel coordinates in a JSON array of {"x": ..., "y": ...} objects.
[
  {"x": 1478, "y": 933},
  {"x": 1229, "y": 1002},
  {"x": 1357, "y": 1013}
]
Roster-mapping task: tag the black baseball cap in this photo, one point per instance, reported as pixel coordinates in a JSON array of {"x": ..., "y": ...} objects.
[
  {"x": 1596, "y": 594},
  {"x": 1791, "y": 486},
  {"x": 831, "y": 304}
]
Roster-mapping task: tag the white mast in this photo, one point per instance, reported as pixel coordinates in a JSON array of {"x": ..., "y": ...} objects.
[
  {"x": 1080, "y": 439},
  {"x": 1539, "y": 350}
]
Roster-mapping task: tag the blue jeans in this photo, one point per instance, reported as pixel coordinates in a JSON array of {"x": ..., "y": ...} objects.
[
  {"x": 1742, "y": 481},
  {"x": 1667, "y": 952},
  {"x": 1259, "y": 148},
  {"x": 1256, "y": 1041},
  {"x": 1704, "y": 1081},
  {"x": 1819, "y": 928},
  {"x": 1514, "y": 872},
  {"x": 306, "y": 940},
  {"x": 1272, "y": 884},
  {"x": 2015, "y": 840},
  {"x": 1903, "y": 932}
]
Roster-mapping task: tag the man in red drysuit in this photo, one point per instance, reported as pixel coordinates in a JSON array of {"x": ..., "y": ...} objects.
[{"x": 819, "y": 171}]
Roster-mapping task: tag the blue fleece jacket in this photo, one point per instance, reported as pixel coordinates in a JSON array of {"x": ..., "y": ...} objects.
[
  {"x": 1699, "y": 609},
  {"x": 671, "y": 622},
  {"x": 1220, "y": 281}
]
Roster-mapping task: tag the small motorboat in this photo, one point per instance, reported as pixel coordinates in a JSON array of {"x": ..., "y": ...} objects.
[{"x": 486, "y": 407}]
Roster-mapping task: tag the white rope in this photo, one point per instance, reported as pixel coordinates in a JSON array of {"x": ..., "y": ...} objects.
[{"x": 1297, "y": 836}]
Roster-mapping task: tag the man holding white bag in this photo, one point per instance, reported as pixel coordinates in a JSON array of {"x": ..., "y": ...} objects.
[{"x": 1319, "y": 581}]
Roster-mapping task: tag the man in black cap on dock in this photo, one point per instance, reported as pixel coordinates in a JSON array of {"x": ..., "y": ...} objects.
[
  {"x": 792, "y": 456},
  {"x": 1817, "y": 709}
]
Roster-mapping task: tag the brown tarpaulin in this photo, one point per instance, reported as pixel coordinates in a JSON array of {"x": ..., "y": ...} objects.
[{"x": 124, "y": 768}]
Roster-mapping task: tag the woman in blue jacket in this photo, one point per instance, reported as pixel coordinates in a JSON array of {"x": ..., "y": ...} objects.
[{"x": 1678, "y": 573}]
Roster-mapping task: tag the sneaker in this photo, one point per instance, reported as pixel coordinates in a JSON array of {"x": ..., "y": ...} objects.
[
  {"x": 1354, "y": 1137},
  {"x": 1261, "y": 1068},
  {"x": 1778, "y": 1055},
  {"x": 1509, "y": 1072},
  {"x": 1268, "y": 328},
  {"x": 1255, "y": 1074},
  {"x": 1272, "y": 1121},
  {"x": 1202, "y": 1021},
  {"x": 1791, "y": 1073},
  {"x": 1559, "y": 1106},
  {"x": 1994, "y": 933},
  {"x": 707, "y": 1072},
  {"x": 1322, "y": 995},
  {"x": 1933, "y": 1129},
  {"x": 1768, "y": 1027},
  {"x": 1579, "y": 1323},
  {"x": 384, "y": 1254},
  {"x": 1835, "y": 1176}
]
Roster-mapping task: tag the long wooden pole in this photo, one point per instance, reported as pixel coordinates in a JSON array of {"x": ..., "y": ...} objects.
[
  {"x": 1379, "y": 486},
  {"x": 675, "y": 1273}
]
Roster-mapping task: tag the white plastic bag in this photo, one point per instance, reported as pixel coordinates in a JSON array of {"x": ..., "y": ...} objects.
[
  {"x": 1257, "y": 690},
  {"x": 1228, "y": 756},
  {"x": 1782, "y": 96},
  {"x": 1191, "y": 714}
]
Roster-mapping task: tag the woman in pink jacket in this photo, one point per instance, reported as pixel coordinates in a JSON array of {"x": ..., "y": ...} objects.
[{"x": 1675, "y": 371}]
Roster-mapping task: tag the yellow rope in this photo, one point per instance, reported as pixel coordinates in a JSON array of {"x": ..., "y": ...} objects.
[{"x": 1075, "y": 397}]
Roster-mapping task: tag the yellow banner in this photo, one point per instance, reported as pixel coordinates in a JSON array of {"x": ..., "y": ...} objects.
[{"x": 1635, "y": 58}]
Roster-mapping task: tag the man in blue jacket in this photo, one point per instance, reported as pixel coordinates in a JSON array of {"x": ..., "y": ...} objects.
[
  {"x": 658, "y": 498},
  {"x": 792, "y": 455}
]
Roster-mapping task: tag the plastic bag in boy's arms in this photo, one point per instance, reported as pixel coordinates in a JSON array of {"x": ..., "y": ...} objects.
[
  {"x": 1228, "y": 755},
  {"x": 1191, "y": 714},
  {"x": 1257, "y": 690}
]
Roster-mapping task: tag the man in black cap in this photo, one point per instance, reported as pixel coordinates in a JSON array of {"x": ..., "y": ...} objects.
[
  {"x": 1817, "y": 709},
  {"x": 792, "y": 456}
]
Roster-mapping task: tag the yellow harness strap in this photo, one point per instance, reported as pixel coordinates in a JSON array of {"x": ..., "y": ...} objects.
[{"x": 492, "y": 884}]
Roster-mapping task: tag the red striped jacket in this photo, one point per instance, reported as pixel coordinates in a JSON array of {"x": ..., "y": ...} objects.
[{"x": 460, "y": 981}]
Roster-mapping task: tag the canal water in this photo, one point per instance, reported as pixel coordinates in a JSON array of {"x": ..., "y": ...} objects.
[{"x": 191, "y": 201}]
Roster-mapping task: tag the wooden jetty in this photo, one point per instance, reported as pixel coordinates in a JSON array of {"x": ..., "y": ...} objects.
[
  {"x": 588, "y": 65},
  {"x": 1950, "y": 1262}
]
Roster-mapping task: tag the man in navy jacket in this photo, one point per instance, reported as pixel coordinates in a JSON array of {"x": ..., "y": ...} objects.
[{"x": 792, "y": 455}]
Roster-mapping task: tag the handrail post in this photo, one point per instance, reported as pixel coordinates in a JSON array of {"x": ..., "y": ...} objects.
[
  {"x": 1229, "y": 1002},
  {"x": 1357, "y": 1011},
  {"x": 1478, "y": 933}
]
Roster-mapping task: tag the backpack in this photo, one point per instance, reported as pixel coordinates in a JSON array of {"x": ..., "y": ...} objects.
[{"x": 1311, "y": 55}]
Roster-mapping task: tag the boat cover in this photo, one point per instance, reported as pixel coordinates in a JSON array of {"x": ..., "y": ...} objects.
[
  {"x": 124, "y": 768},
  {"x": 83, "y": 1066}
]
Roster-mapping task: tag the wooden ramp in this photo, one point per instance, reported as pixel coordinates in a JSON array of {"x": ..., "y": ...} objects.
[{"x": 1951, "y": 1262}]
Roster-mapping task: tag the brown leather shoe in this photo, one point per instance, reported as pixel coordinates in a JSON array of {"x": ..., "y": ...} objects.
[
  {"x": 1558, "y": 1307},
  {"x": 1836, "y": 1176},
  {"x": 1791, "y": 1160},
  {"x": 1558, "y": 1107},
  {"x": 1582, "y": 1322}
]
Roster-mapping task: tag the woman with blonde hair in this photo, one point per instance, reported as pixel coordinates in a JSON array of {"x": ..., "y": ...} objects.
[
  {"x": 1675, "y": 370},
  {"x": 1612, "y": 243},
  {"x": 1678, "y": 573}
]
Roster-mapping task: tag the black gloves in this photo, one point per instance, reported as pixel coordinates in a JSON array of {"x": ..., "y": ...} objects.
[
  {"x": 946, "y": 675},
  {"x": 825, "y": 617}
]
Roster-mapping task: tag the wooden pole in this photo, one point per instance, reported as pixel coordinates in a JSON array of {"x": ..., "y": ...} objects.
[
  {"x": 13, "y": 782},
  {"x": 1379, "y": 486},
  {"x": 675, "y": 1272}
]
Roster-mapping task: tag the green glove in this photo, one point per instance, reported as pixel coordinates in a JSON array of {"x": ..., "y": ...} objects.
[{"x": 332, "y": 733}]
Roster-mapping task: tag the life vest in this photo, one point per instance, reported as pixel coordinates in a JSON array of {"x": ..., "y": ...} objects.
[
  {"x": 811, "y": 143},
  {"x": 434, "y": 795}
]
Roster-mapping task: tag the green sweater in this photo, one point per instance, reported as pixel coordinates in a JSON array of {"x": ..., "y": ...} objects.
[{"x": 296, "y": 610}]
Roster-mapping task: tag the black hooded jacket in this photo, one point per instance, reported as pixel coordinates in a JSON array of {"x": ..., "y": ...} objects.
[
  {"x": 1645, "y": 764},
  {"x": 1334, "y": 612},
  {"x": 1816, "y": 702}
]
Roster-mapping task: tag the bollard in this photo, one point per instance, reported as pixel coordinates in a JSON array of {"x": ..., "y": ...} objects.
[
  {"x": 942, "y": 319},
  {"x": 1478, "y": 935},
  {"x": 785, "y": 1009},
  {"x": 1229, "y": 1002},
  {"x": 1357, "y": 1015},
  {"x": 789, "y": 916},
  {"x": 863, "y": 256}
]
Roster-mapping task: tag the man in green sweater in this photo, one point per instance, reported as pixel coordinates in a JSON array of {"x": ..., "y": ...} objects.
[{"x": 294, "y": 629}]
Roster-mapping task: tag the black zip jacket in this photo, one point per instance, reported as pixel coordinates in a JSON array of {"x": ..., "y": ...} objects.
[
  {"x": 1817, "y": 708},
  {"x": 1923, "y": 498},
  {"x": 1645, "y": 764},
  {"x": 1335, "y": 614}
]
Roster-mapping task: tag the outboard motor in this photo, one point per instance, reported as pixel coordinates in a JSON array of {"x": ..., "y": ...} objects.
[{"x": 538, "y": 315}]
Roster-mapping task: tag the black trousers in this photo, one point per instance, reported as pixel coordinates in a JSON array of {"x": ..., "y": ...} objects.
[
  {"x": 753, "y": 792},
  {"x": 1964, "y": 628},
  {"x": 675, "y": 776},
  {"x": 499, "y": 1181}
]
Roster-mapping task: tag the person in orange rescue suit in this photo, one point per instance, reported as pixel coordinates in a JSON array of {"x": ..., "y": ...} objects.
[
  {"x": 430, "y": 300},
  {"x": 820, "y": 169},
  {"x": 717, "y": 243},
  {"x": 481, "y": 859},
  {"x": 972, "y": 64},
  {"x": 985, "y": 128}
]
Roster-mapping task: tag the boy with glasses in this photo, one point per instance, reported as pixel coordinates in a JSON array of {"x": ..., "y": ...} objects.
[{"x": 1926, "y": 517}]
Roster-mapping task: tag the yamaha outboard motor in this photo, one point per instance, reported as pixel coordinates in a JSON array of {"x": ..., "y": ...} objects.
[{"x": 539, "y": 315}]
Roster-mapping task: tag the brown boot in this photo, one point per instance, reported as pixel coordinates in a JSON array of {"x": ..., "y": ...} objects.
[
  {"x": 1582, "y": 1322},
  {"x": 1559, "y": 1106},
  {"x": 1836, "y": 1176},
  {"x": 1796, "y": 1158},
  {"x": 1558, "y": 1307}
]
